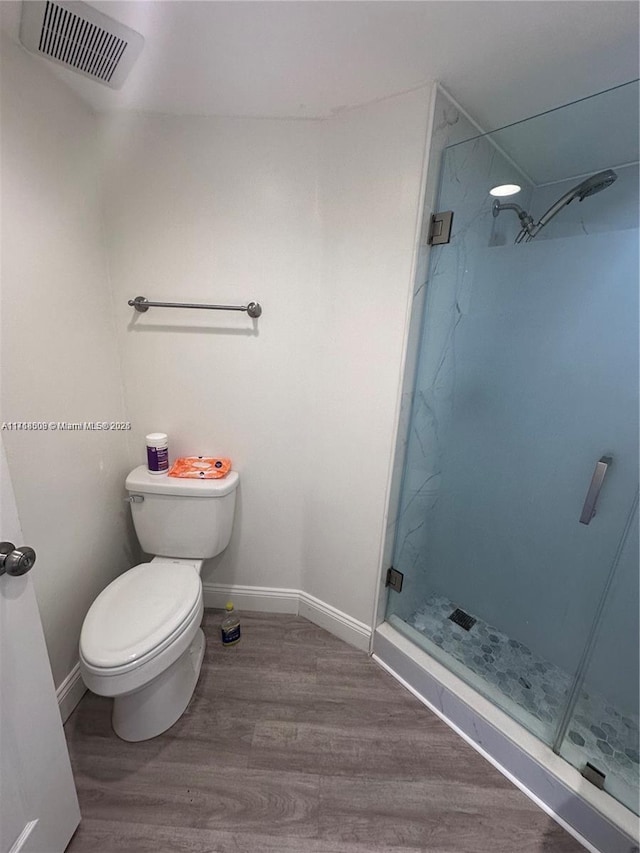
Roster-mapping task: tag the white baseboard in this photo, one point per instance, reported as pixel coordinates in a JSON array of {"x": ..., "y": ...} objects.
[
  {"x": 335, "y": 621},
  {"x": 70, "y": 692},
  {"x": 251, "y": 598},
  {"x": 277, "y": 600}
]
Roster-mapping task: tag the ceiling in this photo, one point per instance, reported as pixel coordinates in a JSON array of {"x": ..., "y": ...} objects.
[{"x": 502, "y": 59}]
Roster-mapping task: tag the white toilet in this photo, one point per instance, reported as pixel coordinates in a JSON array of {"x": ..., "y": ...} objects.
[{"x": 141, "y": 640}]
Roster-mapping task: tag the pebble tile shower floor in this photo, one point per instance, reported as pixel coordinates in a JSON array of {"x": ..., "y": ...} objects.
[{"x": 607, "y": 737}]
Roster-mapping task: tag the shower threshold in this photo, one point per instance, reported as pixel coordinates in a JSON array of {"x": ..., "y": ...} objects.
[{"x": 534, "y": 691}]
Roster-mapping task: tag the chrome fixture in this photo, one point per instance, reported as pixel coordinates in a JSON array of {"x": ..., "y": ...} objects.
[
  {"x": 526, "y": 220},
  {"x": 597, "y": 479},
  {"x": 440, "y": 228},
  {"x": 588, "y": 187},
  {"x": 16, "y": 561},
  {"x": 253, "y": 309}
]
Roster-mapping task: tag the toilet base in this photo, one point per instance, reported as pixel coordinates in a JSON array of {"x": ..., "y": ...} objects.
[{"x": 148, "y": 712}]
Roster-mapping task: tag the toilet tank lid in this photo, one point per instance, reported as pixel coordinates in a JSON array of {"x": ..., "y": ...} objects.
[{"x": 142, "y": 481}]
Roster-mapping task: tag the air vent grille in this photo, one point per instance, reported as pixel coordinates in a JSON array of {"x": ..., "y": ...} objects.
[
  {"x": 80, "y": 38},
  {"x": 79, "y": 43}
]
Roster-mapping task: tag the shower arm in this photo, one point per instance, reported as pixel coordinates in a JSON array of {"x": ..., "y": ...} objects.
[{"x": 526, "y": 220}]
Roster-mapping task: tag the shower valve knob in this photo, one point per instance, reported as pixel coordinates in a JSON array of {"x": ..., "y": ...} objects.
[{"x": 16, "y": 561}]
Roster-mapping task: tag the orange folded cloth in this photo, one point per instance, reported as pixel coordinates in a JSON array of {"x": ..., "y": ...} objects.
[{"x": 200, "y": 467}]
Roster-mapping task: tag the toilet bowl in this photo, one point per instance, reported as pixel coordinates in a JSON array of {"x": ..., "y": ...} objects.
[
  {"x": 141, "y": 641},
  {"x": 142, "y": 638}
]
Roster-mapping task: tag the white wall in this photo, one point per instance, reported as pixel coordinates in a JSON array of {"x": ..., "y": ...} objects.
[
  {"x": 316, "y": 221},
  {"x": 59, "y": 356},
  {"x": 222, "y": 211},
  {"x": 371, "y": 182}
]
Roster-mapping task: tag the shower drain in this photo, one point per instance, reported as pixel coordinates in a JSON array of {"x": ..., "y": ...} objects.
[{"x": 462, "y": 619}]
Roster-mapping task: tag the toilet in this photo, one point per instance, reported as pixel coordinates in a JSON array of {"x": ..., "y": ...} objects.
[{"x": 141, "y": 640}]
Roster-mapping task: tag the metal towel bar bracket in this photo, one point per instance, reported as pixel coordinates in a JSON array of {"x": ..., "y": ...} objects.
[{"x": 141, "y": 304}]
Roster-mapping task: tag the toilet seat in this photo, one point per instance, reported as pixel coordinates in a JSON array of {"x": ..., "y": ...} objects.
[{"x": 138, "y": 615}]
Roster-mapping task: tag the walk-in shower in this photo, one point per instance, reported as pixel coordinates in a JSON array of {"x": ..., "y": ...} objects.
[
  {"x": 516, "y": 529},
  {"x": 589, "y": 187}
]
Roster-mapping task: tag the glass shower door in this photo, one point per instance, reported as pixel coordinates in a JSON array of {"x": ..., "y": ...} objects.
[
  {"x": 601, "y": 725},
  {"x": 526, "y": 393}
]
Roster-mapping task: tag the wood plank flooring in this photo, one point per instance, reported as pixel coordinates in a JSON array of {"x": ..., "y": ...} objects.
[{"x": 297, "y": 743}]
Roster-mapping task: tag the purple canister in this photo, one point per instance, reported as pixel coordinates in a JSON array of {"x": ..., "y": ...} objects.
[{"x": 158, "y": 452}]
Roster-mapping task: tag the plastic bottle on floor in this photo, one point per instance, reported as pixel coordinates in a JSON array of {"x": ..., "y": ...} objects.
[{"x": 230, "y": 627}]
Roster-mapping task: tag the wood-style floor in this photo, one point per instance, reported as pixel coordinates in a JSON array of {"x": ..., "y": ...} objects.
[{"x": 297, "y": 743}]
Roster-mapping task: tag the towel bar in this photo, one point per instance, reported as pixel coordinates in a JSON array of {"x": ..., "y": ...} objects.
[{"x": 141, "y": 304}]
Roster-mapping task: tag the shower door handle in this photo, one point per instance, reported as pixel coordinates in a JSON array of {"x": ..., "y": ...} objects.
[{"x": 589, "y": 507}]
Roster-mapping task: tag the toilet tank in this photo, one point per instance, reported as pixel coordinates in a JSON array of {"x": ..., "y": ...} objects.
[{"x": 176, "y": 517}]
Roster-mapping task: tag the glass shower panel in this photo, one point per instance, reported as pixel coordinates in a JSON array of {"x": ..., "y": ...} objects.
[{"x": 527, "y": 377}]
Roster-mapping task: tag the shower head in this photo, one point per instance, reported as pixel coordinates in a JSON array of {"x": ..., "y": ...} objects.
[
  {"x": 595, "y": 183},
  {"x": 590, "y": 186}
]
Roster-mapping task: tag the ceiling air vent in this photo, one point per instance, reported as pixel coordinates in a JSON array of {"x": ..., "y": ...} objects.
[{"x": 80, "y": 38}]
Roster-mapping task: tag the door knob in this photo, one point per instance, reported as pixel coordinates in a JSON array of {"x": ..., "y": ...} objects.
[{"x": 16, "y": 561}]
